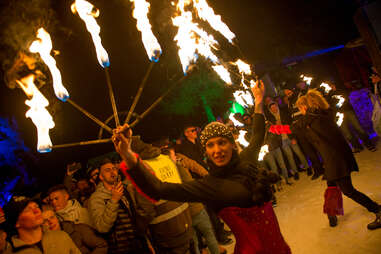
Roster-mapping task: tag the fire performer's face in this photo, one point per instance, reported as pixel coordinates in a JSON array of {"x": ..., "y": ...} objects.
[{"x": 219, "y": 150}]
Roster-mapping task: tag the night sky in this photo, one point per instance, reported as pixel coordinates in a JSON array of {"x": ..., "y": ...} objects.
[{"x": 267, "y": 32}]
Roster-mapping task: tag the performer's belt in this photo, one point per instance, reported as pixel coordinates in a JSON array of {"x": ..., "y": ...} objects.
[{"x": 169, "y": 215}]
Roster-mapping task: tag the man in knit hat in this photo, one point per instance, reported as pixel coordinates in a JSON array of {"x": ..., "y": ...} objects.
[{"x": 24, "y": 220}]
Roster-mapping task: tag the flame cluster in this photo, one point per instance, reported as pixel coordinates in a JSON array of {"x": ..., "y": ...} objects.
[{"x": 38, "y": 113}]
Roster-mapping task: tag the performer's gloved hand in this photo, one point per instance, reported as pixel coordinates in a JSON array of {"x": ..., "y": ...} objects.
[{"x": 122, "y": 138}]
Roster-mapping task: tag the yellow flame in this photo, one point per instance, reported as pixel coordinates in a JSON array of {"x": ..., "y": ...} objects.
[
  {"x": 326, "y": 87},
  {"x": 88, "y": 14},
  {"x": 340, "y": 118},
  {"x": 243, "y": 67},
  {"x": 341, "y": 100},
  {"x": 223, "y": 73},
  {"x": 235, "y": 121},
  {"x": 43, "y": 46},
  {"x": 241, "y": 138},
  {"x": 264, "y": 150},
  {"x": 191, "y": 39},
  {"x": 205, "y": 12},
  {"x": 152, "y": 46},
  {"x": 38, "y": 113},
  {"x": 244, "y": 98}
]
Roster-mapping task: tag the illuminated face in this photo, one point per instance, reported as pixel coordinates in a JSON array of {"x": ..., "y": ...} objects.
[
  {"x": 288, "y": 92},
  {"x": 191, "y": 133},
  {"x": 50, "y": 220},
  {"x": 82, "y": 185},
  {"x": 108, "y": 173},
  {"x": 219, "y": 150},
  {"x": 30, "y": 217},
  {"x": 274, "y": 108},
  {"x": 59, "y": 199}
]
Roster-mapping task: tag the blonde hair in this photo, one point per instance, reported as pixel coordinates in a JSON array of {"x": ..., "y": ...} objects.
[
  {"x": 302, "y": 101},
  {"x": 313, "y": 100}
]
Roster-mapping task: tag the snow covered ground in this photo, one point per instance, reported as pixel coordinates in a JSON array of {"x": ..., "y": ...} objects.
[{"x": 306, "y": 228}]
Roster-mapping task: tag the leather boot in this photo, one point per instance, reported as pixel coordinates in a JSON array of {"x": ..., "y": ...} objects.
[
  {"x": 332, "y": 220},
  {"x": 377, "y": 223}
]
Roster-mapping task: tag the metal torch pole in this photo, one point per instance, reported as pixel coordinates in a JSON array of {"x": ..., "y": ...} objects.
[
  {"x": 139, "y": 93},
  {"x": 112, "y": 98},
  {"x": 86, "y": 113},
  {"x": 83, "y": 143},
  {"x": 158, "y": 100}
]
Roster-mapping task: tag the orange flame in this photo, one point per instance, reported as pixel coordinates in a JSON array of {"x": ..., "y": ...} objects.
[
  {"x": 264, "y": 150},
  {"x": 88, "y": 13},
  {"x": 340, "y": 118},
  {"x": 223, "y": 73},
  {"x": 43, "y": 46},
  {"x": 241, "y": 138},
  {"x": 206, "y": 13},
  {"x": 38, "y": 113},
  {"x": 244, "y": 98},
  {"x": 152, "y": 46}
]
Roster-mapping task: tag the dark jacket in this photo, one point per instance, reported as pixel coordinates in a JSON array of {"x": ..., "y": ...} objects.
[
  {"x": 321, "y": 130},
  {"x": 85, "y": 238},
  {"x": 192, "y": 151}
]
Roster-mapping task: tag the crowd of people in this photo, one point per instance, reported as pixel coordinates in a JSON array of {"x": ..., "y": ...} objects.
[{"x": 176, "y": 197}]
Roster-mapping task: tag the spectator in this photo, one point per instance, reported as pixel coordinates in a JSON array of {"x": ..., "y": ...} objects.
[
  {"x": 119, "y": 214},
  {"x": 25, "y": 221},
  {"x": 82, "y": 235},
  {"x": 275, "y": 155},
  {"x": 281, "y": 118},
  {"x": 67, "y": 209},
  {"x": 171, "y": 228},
  {"x": 190, "y": 146},
  {"x": 5, "y": 247},
  {"x": 308, "y": 149},
  {"x": 351, "y": 126}
]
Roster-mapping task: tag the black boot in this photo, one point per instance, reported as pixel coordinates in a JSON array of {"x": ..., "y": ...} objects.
[
  {"x": 377, "y": 223},
  {"x": 296, "y": 176},
  {"x": 332, "y": 220},
  {"x": 317, "y": 173},
  {"x": 309, "y": 171}
]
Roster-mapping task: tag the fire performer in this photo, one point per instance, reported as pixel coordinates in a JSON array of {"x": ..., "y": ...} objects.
[
  {"x": 318, "y": 122},
  {"x": 235, "y": 188}
]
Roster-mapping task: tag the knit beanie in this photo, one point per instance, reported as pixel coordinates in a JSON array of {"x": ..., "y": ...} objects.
[
  {"x": 213, "y": 130},
  {"x": 13, "y": 209}
]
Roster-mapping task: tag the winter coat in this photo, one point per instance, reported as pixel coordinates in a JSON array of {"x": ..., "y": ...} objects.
[
  {"x": 74, "y": 212},
  {"x": 124, "y": 223},
  {"x": 322, "y": 131},
  {"x": 53, "y": 242},
  {"x": 103, "y": 211},
  {"x": 85, "y": 238}
]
